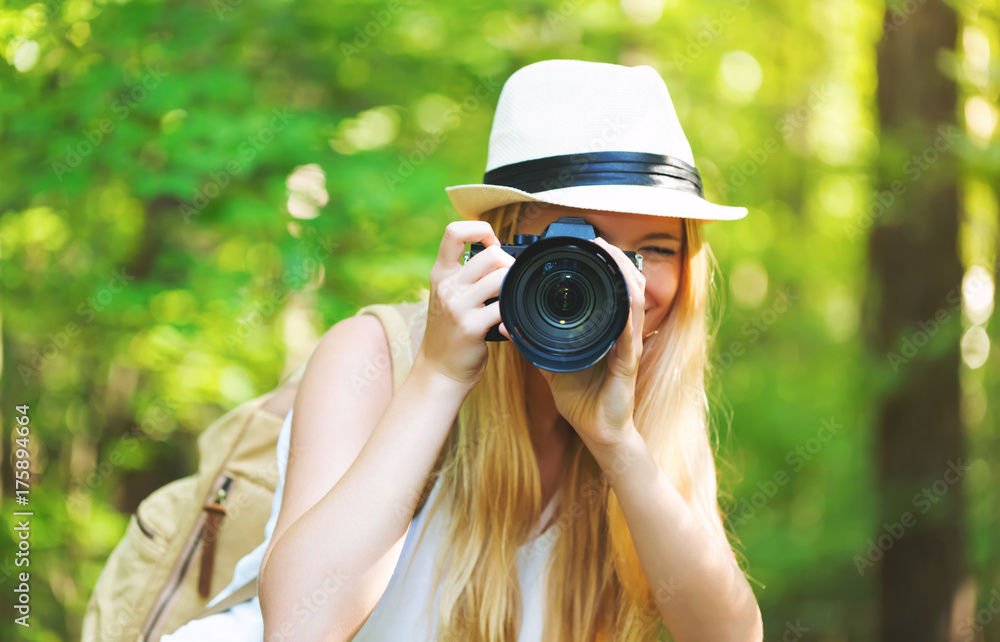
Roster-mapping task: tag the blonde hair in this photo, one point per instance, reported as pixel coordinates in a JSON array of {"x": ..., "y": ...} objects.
[{"x": 491, "y": 490}]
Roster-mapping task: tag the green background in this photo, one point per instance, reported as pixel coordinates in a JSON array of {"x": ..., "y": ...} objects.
[{"x": 161, "y": 265}]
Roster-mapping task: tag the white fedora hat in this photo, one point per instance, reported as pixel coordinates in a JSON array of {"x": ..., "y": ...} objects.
[{"x": 589, "y": 135}]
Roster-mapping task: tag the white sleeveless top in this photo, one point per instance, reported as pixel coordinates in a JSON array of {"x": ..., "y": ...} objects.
[{"x": 402, "y": 612}]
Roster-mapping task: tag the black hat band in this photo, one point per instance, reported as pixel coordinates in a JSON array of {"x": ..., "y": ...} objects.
[{"x": 597, "y": 168}]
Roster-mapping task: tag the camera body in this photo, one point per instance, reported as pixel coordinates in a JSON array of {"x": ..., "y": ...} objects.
[{"x": 564, "y": 301}]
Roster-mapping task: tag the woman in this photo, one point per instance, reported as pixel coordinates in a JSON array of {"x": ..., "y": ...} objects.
[{"x": 564, "y": 506}]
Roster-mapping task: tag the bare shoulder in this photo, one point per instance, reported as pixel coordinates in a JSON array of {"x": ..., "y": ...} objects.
[
  {"x": 364, "y": 329},
  {"x": 355, "y": 353},
  {"x": 345, "y": 388},
  {"x": 356, "y": 339}
]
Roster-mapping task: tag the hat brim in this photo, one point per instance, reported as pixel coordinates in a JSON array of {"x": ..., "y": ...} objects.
[{"x": 472, "y": 200}]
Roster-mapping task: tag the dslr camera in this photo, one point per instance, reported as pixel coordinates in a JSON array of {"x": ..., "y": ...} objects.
[{"x": 564, "y": 301}]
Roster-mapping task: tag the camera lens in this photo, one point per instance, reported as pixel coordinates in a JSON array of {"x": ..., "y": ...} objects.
[
  {"x": 564, "y": 299},
  {"x": 564, "y": 302}
]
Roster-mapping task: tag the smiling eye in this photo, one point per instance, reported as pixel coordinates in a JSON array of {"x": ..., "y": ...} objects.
[{"x": 660, "y": 250}]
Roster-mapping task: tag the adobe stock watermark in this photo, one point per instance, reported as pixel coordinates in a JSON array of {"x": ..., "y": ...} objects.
[
  {"x": 591, "y": 492},
  {"x": 126, "y": 617},
  {"x": 975, "y": 623},
  {"x": 30, "y": 21},
  {"x": 756, "y": 327},
  {"x": 612, "y": 129},
  {"x": 149, "y": 427},
  {"x": 711, "y": 30},
  {"x": 371, "y": 369},
  {"x": 896, "y": 17},
  {"x": 121, "y": 107},
  {"x": 922, "y": 500},
  {"x": 307, "y": 606},
  {"x": 665, "y": 591},
  {"x": 51, "y": 9},
  {"x": 293, "y": 280},
  {"x": 496, "y": 420},
  {"x": 914, "y": 168},
  {"x": 793, "y": 632},
  {"x": 910, "y": 345},
  {"x": 225, "y": 7},
  {"x": 87, "y": 310},
  {"x": 788, "y": 124},
  {"x": 426, "y": 146},
  {"x": 371, "y": 30},
  {"x": 794, "y": 119},
  {"x": 927, "y": 329},
  {"x": 553, "y": 18},
  {"x": 246, "y": 151},
  {"x": 796, "y": 460}
]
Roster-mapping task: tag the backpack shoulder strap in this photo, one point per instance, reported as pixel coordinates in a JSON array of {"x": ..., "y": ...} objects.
[
  {"x": 402, "y": 322},
  {"x": 397, "y": 332}
]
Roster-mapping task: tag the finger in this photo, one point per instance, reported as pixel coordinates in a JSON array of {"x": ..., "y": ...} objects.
[
  {"x": 623, "y": 349},
  {"x": 481, "y": 264},
  {"x": 633, "y": 277},
  {"x": 484, "y": 318},
  {"x": 456, "y": 235},
  {"x": 630, "y": 341},
  {"x": 625, "y": 263},
  {"x": 623, "y": 358},
  {"x": 486, "y": 287},
  {"x": 637, "y": 316}
]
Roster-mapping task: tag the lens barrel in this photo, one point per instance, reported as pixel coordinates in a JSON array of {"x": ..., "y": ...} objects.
[{"x": 564, "y": 302}]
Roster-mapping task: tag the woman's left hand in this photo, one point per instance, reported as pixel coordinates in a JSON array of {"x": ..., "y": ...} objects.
[{"x": 598, "y": 401}]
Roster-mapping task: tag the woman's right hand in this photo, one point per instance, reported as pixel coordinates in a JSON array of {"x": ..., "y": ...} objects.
[{"x": 454, "y": 341}]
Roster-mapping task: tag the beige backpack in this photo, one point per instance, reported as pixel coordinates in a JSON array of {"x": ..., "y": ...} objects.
[{"x": 184, "y": 540}]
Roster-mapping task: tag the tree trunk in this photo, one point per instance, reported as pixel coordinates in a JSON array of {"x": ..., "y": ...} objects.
[{"x": 915, "y": 280}]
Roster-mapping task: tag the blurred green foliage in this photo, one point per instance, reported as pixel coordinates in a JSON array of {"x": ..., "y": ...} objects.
[{"x": 192, "y": 192}]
